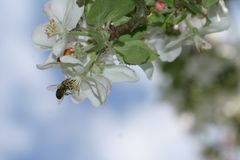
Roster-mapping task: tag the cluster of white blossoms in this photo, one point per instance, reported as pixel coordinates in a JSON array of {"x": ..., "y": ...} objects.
[
  {"x": 90, "y": 65},
  {"x": 193, "y": 30},
  {"x": 92, "y": 74}
]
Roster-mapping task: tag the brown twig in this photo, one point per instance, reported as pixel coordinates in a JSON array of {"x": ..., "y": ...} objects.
[{"x": 139, "y": 19}]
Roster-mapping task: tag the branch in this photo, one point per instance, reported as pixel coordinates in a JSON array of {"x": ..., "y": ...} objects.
[{"x": 139, "y": 19}]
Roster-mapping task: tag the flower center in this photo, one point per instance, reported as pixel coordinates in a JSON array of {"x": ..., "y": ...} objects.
[{"x": 51, "y": 28}]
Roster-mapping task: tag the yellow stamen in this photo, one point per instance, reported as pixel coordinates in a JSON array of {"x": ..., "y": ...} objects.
[{"x": 51, "y": 28}]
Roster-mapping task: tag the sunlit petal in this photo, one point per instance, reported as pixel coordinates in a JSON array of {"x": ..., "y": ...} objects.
[
  {"x": 50, "y": 63},
  {"x": 72, "y": 15},
  {"x": 120, "y": 73},
  {"x": 58, "y": 8},
  {"x": 40, "y": 38},
  {"x": 59, "y": 47}
]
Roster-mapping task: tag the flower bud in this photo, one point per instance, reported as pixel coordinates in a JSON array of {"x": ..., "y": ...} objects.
[{"x": 159, "y": 5}]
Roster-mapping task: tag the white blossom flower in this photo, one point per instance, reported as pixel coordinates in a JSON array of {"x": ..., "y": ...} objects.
[
  {"x": 95, "y": 83},
  {"x": 193, "y": 30},
  {"x": 168, "y": 48},
  {"x": 63, "y": 17},
  {"x": 96, "y": 87}
]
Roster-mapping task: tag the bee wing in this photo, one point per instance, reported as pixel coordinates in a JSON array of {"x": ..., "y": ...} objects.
[{"x": 52, "y": 87}]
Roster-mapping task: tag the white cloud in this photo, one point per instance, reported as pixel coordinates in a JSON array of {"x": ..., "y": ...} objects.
[
  {"x": 150, "y": 133},
  {"x": 22, "y": 85}
]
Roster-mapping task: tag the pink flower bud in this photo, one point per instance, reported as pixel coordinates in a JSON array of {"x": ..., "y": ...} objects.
[{"x": 159, "y": 5}]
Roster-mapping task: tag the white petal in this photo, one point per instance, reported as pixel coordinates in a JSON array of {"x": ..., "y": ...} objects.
[
  {"x": 105, "y": 82},
  {"x": 48, "y": 11},
  {"x": 120, "y": 73},
  {"x": 171, "y": 55},
  {"x": 148, "y": 69},
  {"x": 50, "y": 63},
  {"x": 67, "y": 70},
  {"x": 58, "y": 8},
  {"x": 94, "y": 91},
  {"x": 77, "y": 96},
  {"x": 71, "y": 70},
  {"x": 197, "y": 22},
  {"x": 177, "y": 41},
  {"x": 59, "y": 47},
  {"x": 170, "y": 51},
  {"x": 40, "y": 38},
  {"x": 102, "y": 89},
  {"x": 70, "y": 60},
  {"x": 217, "y": 25},
  {"x": 223, "y": 6},
  {"x": 72, "y": 15}
]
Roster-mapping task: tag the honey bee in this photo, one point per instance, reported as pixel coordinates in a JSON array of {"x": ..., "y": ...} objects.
[{"x": 65, "y": 88}]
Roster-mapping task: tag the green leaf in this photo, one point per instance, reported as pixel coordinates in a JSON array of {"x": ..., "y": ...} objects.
[
  {"x": 135, "y": 53},
  {"x": 98, "y": 39},
  {"x": 150, "y": 2},
  {"x": 209, "y": 3},
  {"x": 120, "y": 8},
  {"x": 103, "y": 11},
  {"x": 169, "y": 3},
  {"x": 194, "y": 8},
  {"x": 168, "y": 21},
  {"x": 121, "y": 21},
  {"x": 156, "y": 19},
  {"x": 137, "y": 36},
  {"x": 98, "y": 12},
  {"x": 180, "y": 17}
]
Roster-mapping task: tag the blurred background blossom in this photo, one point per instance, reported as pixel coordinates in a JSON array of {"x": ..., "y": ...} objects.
[{"x": 189, "y": 111}]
